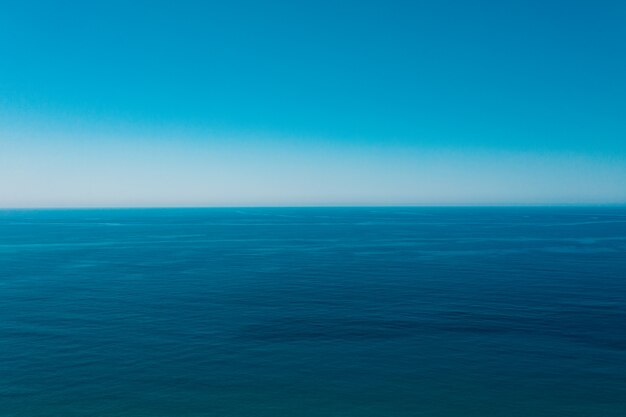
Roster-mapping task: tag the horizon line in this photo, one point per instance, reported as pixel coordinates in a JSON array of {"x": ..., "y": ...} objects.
[{"x": 321, "y": 206}]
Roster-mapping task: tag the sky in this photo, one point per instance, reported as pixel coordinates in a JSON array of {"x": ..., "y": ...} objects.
[{"x": 290, "y": 103}]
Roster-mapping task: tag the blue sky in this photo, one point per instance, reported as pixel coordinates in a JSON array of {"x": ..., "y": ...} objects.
[{"x": 201, "y": 103}]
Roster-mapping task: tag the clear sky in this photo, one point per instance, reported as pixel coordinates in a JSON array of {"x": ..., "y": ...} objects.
[{"x": 203, "y": 103}]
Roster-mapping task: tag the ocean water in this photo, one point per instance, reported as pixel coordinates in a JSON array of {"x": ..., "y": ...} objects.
[{"x": 438, "y": 312}]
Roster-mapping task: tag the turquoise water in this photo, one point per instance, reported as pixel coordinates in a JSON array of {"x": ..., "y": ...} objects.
[{"x": 313, "y": 312}]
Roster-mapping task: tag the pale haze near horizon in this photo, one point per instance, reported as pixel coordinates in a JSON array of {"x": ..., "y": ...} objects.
[{"x": 83, "y": 168}]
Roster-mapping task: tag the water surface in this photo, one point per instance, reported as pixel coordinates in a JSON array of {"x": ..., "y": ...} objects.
[{"x": 437, "y": 312}]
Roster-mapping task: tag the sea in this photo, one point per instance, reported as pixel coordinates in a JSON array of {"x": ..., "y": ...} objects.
[{"x": 313, "y": 312}]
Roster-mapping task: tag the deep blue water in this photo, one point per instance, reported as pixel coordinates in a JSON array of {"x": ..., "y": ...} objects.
[{"x": 438, "y": 312}]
